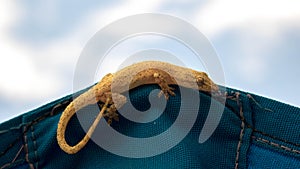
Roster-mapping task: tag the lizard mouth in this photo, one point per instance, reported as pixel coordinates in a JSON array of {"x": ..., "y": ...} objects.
[
  {"x": 207, "y": 85},
  {"x": 214, "y": 88}
]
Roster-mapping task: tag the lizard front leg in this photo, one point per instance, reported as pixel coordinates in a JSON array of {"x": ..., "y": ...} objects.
[{"x": 160, "y": 79}]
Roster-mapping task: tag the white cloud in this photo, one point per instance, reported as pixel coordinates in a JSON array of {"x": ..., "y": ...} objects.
[
  {"x": 7, "y": 14},
  {"x": 257, "y": 25},
  {"x": 29, "y": 73},
  {"x": 99, "y": 19},
  {"x": 20, "y": 80},
  {"x": 19, "y": 77},
  {"x": 262, "y": 15},
  {"x": 252, "y": 70}
]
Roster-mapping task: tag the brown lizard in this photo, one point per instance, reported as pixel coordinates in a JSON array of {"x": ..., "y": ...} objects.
[{"x": 109, "y": 90}]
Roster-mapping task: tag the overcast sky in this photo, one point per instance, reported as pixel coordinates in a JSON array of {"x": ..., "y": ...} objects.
[{"x": 257, "y": 41}]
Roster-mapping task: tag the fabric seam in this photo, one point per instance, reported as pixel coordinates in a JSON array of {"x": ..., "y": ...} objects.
[
  {"x": 239, "y": 145},
  {"x": 26, "y": 126},
  {"x": 7, "y": 165},
  {"x": 27, "y": 150},
  {"x": 243, "y": 125},
  {"x": 34, "y": 146},
  {"x": 242, "y": 131},
  {"x": 282, "y": 147}
]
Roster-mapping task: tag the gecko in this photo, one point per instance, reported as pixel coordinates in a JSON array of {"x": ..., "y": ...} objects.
[{"x": 109, "y": 91}]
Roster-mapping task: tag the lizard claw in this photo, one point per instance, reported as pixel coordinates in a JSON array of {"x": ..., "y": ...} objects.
[{"x": 167, "y": 91}]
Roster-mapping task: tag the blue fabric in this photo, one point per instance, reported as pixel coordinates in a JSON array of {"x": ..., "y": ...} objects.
[
  {"x": 261, "y": 158},
  {"x": 29, "y": 141}
]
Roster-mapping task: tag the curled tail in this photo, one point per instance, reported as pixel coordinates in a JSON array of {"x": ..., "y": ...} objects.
[{"x": 62, "y": 125}]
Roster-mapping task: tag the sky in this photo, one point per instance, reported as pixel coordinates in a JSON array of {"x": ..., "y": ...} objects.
[{"x": 257, "y": 42}]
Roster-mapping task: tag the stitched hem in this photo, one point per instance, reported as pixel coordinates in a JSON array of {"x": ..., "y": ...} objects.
[
  {"x": 239, "y": 145},
  {"x": 34, "y": 146},
  {"x": 242, "y": 132},
  {"x": 12, "y": 164},
  {"x": 276, "y": 145},
  {"x": 26, "y": 150},
  {"x": 28, "y": 125}
]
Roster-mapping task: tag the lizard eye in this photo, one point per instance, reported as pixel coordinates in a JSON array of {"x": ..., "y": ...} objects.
[{"x": 200, "y": 81}]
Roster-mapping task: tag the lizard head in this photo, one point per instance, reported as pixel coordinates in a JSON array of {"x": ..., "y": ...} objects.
[{"x": 205, "y": 83}]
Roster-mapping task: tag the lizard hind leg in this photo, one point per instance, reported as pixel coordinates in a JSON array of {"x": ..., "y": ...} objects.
[
  {"x": 111, "y": 114},
  {"x": 118, "y": 101}
]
